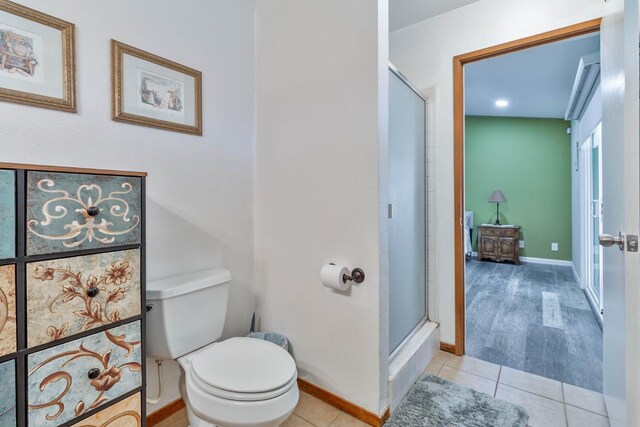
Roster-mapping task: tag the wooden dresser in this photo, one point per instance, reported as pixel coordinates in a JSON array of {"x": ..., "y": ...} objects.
[
  {"x": 499, "y": 243},
  {"x": 72, "y": 297}
]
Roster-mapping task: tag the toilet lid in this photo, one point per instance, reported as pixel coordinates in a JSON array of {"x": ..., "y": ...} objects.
[{"x": 244, "y": 365}]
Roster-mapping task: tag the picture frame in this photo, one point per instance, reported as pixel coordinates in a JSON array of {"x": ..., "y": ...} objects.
[
  {"x": 37, "y": 58},
  {"x": 149, "y": 90}
]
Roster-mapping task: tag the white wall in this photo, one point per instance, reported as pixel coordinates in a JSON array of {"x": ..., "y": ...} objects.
[
  {"x": 321, "y": 80},
  {"x": 580, "y": 131},
  {"x": 424, "y": 53},
  {"x": 200, "y": 189}
]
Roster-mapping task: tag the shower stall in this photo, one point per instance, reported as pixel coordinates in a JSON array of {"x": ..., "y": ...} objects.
[
  {"x": 413, "y": 340},
  {"x": 406, "y": 210}
]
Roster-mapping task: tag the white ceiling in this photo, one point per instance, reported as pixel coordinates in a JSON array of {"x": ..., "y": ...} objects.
[
  {"x": 403, "y": 13},
  {"x": 537, "y": 82}
]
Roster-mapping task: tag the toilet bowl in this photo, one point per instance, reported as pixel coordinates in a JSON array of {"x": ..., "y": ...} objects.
[{"x": 238, "y": 382}]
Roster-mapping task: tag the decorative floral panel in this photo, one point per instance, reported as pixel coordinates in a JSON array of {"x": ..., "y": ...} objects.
[
  {"x": 8, "y": 394},
  {"x": 7, "y": 214},
  {"x": 126, "y": 413},
  {"x": 71, "y": 379},
  {"x": 68, "y": 212},
  {"x": 7, "y": 309},
  {"x": 71, "y": 295}
]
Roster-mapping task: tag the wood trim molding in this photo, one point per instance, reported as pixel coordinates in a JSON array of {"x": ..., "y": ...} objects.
[
  {"x": 343, "y": 404},
  {"x": 449, "y": 348},
  {"x": 563, "y": 33},
  {"x": 48, "y": 168},
  {"x": 332, "y": 399},
  {"x": 458, "y": 148},
  {"x": 165, "y": 412}
]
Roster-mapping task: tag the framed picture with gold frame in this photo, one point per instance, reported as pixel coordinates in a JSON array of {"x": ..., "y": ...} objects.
[
  {"x": 149, "y": 90},
  {"x": 37, "y": 58}
]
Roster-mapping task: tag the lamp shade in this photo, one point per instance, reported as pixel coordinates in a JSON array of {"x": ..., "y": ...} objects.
[{"x": 497, "y": 197}]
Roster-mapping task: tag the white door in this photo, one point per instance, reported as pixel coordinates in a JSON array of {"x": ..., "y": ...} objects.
[{"x": 621, "y": 194}]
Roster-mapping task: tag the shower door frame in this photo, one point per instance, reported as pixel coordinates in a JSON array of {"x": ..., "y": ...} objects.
[
  {"x": 591, "y": 209},
  {"x": 425, "y": 318}
]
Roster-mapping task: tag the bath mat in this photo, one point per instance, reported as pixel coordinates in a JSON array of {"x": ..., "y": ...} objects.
[{"x": 436, "y": 402}]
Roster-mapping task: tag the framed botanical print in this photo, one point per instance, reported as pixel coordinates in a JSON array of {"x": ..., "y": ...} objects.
[
  {"x": 37, "y": 58},
  {"x": 152, "y": 91}
]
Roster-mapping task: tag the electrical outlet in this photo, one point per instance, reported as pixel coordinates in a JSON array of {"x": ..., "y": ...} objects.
[
  {"x": 554, "y": 247},
  {"x": 521, "y": 243}
]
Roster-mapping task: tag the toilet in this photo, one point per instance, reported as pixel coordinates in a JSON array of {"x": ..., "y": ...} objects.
[{"x": 238, "y": 382}]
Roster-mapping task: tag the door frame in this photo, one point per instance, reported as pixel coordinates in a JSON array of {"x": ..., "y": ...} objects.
[{"x": 459, "y": 62}]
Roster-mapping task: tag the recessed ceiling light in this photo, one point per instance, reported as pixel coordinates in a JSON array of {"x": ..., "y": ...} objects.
[{"x": 502, "y": 103}]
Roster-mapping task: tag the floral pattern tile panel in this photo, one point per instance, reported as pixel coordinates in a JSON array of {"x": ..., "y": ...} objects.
[
  {"x": 8, "y": 394},
  {"x": 7, "y": 309},
  {"x": 124, "y": 413},
  {"x": 67, "y": 212},
  {"x": 71, "y": 295},
  {"x": 71, "y": 379},
  {"x": 7, "y": 214}
]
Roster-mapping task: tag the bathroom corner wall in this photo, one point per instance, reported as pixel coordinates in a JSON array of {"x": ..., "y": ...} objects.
[
  {"x": 200, "y": 190},
  {"x": 424, "y": 53},
  {"x": 321, "y": 122}
]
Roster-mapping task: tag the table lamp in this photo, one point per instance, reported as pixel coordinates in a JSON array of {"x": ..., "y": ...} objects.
[{"x": 497, "y": 197}]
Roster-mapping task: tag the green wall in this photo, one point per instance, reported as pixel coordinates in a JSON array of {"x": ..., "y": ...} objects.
[{"x": 530, "y": 161}]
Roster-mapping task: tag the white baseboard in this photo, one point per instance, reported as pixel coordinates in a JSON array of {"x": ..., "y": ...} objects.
[
  {"x": 533, "y": 260},
  {"x": 575, "y": 276}
]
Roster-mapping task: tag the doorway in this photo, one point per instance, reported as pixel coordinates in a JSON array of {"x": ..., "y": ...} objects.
[{"x": 547, "y": 280}]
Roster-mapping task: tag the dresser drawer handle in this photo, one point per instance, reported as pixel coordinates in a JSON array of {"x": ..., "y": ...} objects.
[
  {"x": 93, "y": 373},
  {"x": 93, "y": 292},
  {"x": 93, "y": 211}
]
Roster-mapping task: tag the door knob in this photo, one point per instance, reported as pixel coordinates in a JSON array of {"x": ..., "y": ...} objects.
[{"x": 608, "y": 240}]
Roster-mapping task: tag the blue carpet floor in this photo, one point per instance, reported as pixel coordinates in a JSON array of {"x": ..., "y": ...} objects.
[{"x": 534, "y": 318}]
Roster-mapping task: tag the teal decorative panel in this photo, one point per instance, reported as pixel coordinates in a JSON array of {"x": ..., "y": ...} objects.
[
  {"x": 7, "y": 214},
  {"x": 8, "y": 394},
  {"x": 70, "y": 295},
  {"x": 71, "y": 379},
  {"x": 67, "y": 211}
]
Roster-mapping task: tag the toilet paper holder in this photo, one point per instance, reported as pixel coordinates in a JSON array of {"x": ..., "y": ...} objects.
[{"x": 357, "y": 275}]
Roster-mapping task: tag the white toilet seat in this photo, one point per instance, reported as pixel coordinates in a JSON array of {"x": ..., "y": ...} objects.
[
  {"x": 247, "y": 397},
  {"x": 243, "y": 366},
  {"x": 241, "y": 382}
]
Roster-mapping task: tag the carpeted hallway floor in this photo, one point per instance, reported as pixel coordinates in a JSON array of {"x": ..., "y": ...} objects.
[{"x": 534, "y": 318}]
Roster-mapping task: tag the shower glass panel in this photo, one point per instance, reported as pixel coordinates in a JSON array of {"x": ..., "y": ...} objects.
[
  {"x": 407, "y": 216},
  {"x": 596, "y": 217}
]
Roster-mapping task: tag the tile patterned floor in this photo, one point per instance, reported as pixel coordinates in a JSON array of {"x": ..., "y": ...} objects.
[
  {"x": 310, "y": 412},
  {"x": 550, "y": 403},
  {"x": 534, "y": 318}
]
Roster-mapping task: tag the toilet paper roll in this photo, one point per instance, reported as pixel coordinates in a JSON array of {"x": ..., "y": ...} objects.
[{"x": 331, "y": 276}]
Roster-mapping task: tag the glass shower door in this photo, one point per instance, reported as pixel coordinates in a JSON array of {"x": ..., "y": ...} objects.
[
  {"x": 595, "y": 284},
  {"x": 407, "y": 216}
]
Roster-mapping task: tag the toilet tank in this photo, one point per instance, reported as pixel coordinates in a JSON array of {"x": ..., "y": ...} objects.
[{"x": 187, "y": 312}]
